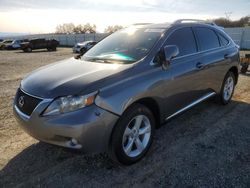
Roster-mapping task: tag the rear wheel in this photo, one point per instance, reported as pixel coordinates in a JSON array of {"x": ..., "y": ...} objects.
[
  {"x": 52, "y": 48},
  {"x": 133, "y": 134},
  {"x": 227, "y": 88}
]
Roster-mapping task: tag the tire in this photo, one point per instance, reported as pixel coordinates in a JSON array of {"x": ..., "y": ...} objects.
[
  {"x": 227, "y": 88},
  {"x": 244, "y": 68},
  {"x": 28, "y": 49},
  {"x": 129, "y": 143},
  {"x": 50, "y": 49}
]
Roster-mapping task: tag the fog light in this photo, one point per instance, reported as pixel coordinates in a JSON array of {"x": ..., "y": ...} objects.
[{"x": 73, "y": 142}]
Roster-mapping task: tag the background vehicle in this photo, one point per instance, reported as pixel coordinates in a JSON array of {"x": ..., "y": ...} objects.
[
  {"x": 245, "y": 62},
  {"x": 42, "y": 43},
  {"x": 114, "y": 97},
  {"x": 15, "y": 44},
  {"x": 4, "y": 43},
  {"x": 82, "y": 47}
]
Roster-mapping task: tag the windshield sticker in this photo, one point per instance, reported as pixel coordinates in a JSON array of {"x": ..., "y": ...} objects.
[{"x": 155, "y": 30}]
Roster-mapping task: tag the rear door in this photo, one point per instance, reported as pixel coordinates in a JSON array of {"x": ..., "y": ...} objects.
[
  {"x": 40, "y": 43},
  {"x": 186, "y": 81},
  {"x": 215, "y": 54}
]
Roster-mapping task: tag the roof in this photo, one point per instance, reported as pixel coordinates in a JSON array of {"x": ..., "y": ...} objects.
[{"x": 179, "y": 22}]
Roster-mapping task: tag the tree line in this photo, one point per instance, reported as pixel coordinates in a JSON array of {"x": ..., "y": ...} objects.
[
  {"x": 70, "y": 28},
  {"x": 226, "y": 22}
]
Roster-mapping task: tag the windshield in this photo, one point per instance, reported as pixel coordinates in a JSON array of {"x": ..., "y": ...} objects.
[
  {"x": 84, "y": 43},
  {"x": 126, "y": 46}
]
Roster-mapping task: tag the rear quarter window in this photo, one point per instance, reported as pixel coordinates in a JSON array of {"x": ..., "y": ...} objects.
[
  {"x": 223, "y": 40},
  {"x": 207, "y": 38}
]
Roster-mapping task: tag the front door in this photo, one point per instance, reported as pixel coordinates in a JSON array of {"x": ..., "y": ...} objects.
[{"x": 186, "y": 82}]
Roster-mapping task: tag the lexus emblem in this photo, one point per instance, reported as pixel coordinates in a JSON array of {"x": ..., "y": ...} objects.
[{"x": 21, "y": 101}]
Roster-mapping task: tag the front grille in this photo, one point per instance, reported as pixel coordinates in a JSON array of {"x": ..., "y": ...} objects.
[{"x": 26, "y": 103}]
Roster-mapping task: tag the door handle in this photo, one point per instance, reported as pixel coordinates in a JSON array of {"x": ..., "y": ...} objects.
[
  {"x": 226, "y": 56},
  {"x": 199, "y": 65}
]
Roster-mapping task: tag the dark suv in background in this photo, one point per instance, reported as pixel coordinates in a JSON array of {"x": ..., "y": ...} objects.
[
  {"x": 114, "y": 96},
  {"x": 39, "y": 43}
]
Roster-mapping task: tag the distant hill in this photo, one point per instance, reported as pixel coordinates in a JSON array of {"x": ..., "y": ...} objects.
[{"x": 4, "y": 35}]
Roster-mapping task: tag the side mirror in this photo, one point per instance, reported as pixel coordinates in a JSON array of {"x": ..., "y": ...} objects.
[
  {"x": 169, "y": 51},
  {"x": 78, "y": 56}
]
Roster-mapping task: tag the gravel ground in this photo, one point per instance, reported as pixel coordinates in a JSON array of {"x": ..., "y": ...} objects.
[{"x": 208, "y": 146}]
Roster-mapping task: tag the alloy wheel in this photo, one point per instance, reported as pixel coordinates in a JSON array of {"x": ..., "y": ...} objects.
[
  {"x": 136, "y": 136},
  {"x": 228, "y": 88}
]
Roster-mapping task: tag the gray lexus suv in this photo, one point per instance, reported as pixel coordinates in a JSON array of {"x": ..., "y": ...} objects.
[{"x": 112, "y": 98}]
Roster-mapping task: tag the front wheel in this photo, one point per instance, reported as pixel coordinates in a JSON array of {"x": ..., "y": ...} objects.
[
  {"x": 28, "y": 49},
  {"x": 133, "y": 135},
  {"x": 227, "y": 88}
]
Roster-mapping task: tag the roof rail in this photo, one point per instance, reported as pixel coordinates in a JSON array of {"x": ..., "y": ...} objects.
[
  {"x": 141, "y": 23},
  {"x": 194, "y": 20}
]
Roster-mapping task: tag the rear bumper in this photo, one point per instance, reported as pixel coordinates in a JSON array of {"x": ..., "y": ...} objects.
[{"x": 91, "y": 127}]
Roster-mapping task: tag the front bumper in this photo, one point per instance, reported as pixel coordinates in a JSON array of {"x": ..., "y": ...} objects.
[{"x": 91, "y": 127}]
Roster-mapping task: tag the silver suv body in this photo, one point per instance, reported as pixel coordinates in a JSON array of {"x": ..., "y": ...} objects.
[
  {"x": 116, "y": 94},
  {"x": 82, "y": 47}
]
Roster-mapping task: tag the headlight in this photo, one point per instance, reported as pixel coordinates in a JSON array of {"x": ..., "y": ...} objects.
[{"x": 69, "y": 103}]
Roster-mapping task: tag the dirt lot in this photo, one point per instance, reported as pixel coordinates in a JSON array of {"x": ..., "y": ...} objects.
[{"x": 208, "y": 146}]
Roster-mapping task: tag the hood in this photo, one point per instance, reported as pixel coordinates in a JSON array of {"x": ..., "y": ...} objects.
[
  {"x": 70, "y": 77},
  {"x": 80, "y": 44}
]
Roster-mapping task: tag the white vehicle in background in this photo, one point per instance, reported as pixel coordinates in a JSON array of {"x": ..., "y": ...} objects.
[
  {"x": 15, "y": 44},
  {"x": 82, "y": 47},
  {"x": 4, "y": 43}
]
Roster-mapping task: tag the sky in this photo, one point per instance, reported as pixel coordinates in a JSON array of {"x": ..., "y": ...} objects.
[{"x": 42, "y": 16}]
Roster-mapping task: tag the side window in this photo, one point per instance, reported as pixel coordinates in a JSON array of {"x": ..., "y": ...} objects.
[
  {"x": 223, "y": 40},
  {"x": 184, "y": 39},
  {"x": 207, "y": 38}
]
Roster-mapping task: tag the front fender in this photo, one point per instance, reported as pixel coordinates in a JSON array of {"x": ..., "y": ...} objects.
[{"x": 119, "y": 96}]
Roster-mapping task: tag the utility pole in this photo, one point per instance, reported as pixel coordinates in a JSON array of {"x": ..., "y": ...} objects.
[{"x": 228, "y": 15}]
